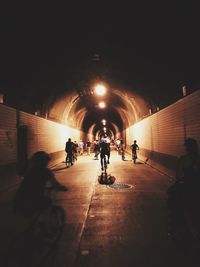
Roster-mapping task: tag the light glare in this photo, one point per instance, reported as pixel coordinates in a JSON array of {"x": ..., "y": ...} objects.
[
  {"x": 100, "y": 90},
  {"x": 104, "y": 122},
  {"x": 102, "y": 104}
]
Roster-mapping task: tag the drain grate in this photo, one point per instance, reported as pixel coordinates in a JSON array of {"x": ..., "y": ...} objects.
[{"x": 120, "y": 186}]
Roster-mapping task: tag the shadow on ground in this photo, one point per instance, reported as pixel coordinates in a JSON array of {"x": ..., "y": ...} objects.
[{"x": 106, "y": 179}]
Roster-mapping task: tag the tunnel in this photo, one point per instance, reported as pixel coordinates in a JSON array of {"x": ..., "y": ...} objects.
[
  {"x": 81, "y": 111},
  {"x": 103, "y": 217},
  {"x": 76, "y": 114},
  {"x": 53, "y": 57}
]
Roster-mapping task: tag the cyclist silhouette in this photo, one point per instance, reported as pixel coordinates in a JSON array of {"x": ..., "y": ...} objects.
[
  {"x": 104, "y": 151},
  {"x": 134, "y": 148},
  {"x": 30, "y": 196},
  {"x": 69, "y": 147}
]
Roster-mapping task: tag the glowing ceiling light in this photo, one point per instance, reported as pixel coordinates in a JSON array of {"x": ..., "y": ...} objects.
[
  {"x": 100, "y": 90},
  {"x": 104, "y": 122},
  {"x": 102, "y": 104},
  {"x": 104, "y": 128}
]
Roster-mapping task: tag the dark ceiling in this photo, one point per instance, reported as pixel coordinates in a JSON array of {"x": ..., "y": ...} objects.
[{"x": 49, "y": 50}]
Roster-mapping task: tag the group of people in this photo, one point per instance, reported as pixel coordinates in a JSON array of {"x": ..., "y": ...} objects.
[
  {"x": 99, "y": 148},
  {"x": 73, "y": 148},
  {"x": 183, "y": 195},
  {"x": 84, "y": 147}
]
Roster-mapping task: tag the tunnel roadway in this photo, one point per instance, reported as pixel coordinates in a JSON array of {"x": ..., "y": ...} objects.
[{"x": 109, "y": 227}]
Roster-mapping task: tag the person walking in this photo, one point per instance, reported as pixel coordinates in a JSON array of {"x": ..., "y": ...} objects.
[{"x": 81, "y": 147}]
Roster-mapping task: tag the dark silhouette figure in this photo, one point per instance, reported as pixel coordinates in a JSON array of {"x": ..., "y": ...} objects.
[
  {"x": 75, "y": 150},
  {"x": 134, "y": 148},
  {"x": 104, "y": 151},
  {"x": 184, "y": 197},
  {"x": 96, "y": 149},
  {"x": 69, "y": 149},
  {"x": 30, "y": 196}
]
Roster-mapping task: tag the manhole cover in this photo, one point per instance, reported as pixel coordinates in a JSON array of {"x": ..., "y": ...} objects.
[{"x": 121, "y": 186}]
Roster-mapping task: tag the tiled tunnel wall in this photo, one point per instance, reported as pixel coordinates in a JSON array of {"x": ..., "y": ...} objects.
[
  {"x": 35, "y": 133},
  {"x": 8, "y": 135},
  {"x": 161, "y": 135}
]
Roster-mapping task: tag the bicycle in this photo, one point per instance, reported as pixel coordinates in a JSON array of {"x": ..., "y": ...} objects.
[
  {"x": 134, "y": 156},
  {"x": 69, "y": 160},
  {"x": 32, "y": 247},
  {"x": 104, "y": 178}
]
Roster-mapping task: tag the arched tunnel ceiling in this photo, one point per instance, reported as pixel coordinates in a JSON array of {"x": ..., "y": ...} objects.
[
  {"x": 148, "y": 52},
  {"x": 80, "y": 110}
]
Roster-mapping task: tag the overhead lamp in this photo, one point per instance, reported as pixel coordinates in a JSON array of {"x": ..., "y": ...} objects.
[
  {"x": 102, "y": 104},
  {"x": 104, "y": 122},
  {"x": 100, "y": 89}
]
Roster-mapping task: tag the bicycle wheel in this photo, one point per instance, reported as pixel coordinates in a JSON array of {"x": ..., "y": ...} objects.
[
  {"x": 57, "y": 220},
  {"x": 50, "y": 234},
  {"x": 134, "y": 157}
]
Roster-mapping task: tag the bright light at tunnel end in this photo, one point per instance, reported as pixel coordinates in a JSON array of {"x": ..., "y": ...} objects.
[
  {"x": 100, "y": 89},
  {"x": 104, "y": 122},
  {"x": 102, "y": 104}
]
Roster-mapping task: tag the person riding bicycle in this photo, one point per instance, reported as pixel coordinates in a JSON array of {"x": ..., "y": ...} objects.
[
  {"x": 134, "y": 148},
  {"x": 30, "y": 197},
  {"x": 104, "y": 151},
  {"x": 69, "y": 149}
]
